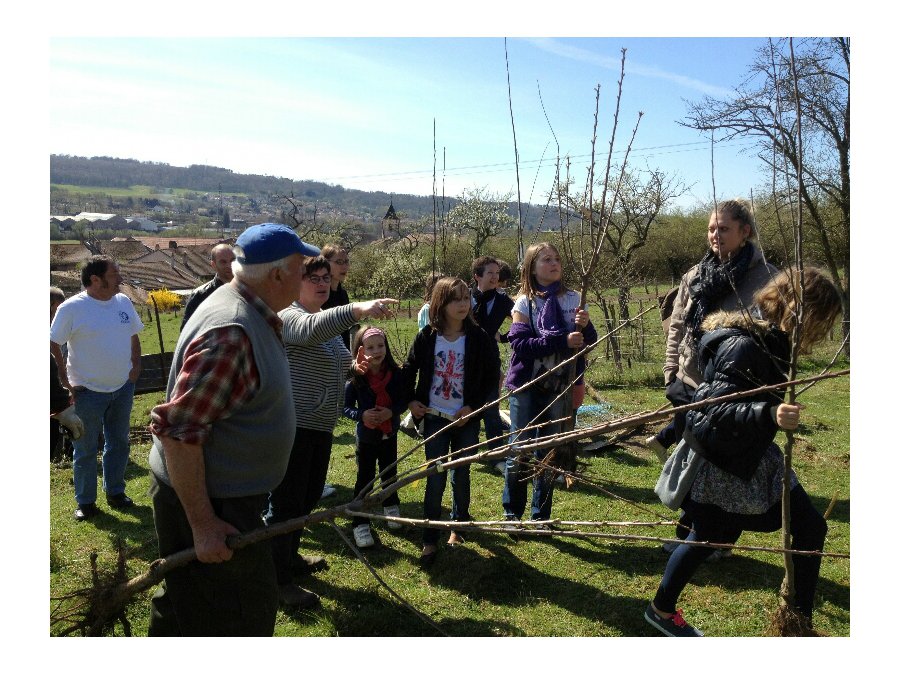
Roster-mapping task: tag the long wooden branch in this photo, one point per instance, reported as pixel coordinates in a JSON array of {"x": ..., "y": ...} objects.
[
  {"x": 503, "y": 397},
  {"x": 539, "y": 528}
]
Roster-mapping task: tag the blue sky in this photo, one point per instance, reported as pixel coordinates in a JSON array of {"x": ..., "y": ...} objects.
[{"x": 362, "y": 112}]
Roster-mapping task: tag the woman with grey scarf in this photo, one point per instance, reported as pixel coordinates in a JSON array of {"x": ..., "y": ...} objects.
[{"x": 727, "y": 277}]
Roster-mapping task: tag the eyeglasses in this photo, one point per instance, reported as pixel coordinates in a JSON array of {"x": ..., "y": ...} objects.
[{"x": 315, "y": 279}]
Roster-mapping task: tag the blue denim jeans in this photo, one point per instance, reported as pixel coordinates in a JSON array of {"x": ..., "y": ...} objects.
[
  {"x": 112, "y": 413},
  {"x": 493, "y": 425},
  {"x": 524, "y": 409},
  {"x": 455, "y": 439}
]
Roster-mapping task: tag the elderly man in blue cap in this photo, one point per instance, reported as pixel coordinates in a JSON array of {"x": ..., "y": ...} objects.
[{"x": 221, "y": 443}]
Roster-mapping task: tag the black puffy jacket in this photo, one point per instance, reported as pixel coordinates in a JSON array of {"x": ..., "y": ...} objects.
[{"x": 738, "y": 354}]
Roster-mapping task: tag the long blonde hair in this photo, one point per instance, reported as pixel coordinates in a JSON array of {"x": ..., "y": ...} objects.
[
  {"x": 529, "y": 282},
  {"x": 778, "y": 302}
]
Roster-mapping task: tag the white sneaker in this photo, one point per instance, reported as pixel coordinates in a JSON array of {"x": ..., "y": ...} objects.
[
  {"x": 719, "y": 554},
  {"x": 363, "y": 536},
  {"x": 661, "y": 454},
  {"x": 393, "y": 511},
  {"x": 328, "y": 490}
]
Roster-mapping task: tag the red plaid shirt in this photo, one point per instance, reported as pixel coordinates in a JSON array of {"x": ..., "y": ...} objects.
[{"x": 218, "y": 375}]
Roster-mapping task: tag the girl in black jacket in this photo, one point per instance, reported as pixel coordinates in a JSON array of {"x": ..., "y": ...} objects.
[
  {"x": 739, "y": 486},
  {"x": 451, "y": 368}
]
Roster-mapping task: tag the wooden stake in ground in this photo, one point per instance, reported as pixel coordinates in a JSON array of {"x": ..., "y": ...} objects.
[{"x": 786, "y": 621}]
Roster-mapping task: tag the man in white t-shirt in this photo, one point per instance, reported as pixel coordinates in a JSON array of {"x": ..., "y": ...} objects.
[{"x": 100, "y": 327}]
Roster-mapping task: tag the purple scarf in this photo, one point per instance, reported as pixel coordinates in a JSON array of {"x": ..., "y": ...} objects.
[{"x": 550, "y": 319}]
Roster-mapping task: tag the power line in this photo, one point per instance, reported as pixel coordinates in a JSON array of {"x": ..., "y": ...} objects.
[{"x": 500, "y": 167}]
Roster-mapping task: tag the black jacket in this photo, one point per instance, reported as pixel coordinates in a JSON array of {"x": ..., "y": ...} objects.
[
  {"x": 339, "y": 298},
  {"x": 501, "y": 310},
  {"x": 481, "y": 365},
  {"x": 738, "y": 354},
  {"x": 59, "y": 395},
  {"x": 359, "y": 398},
  {"x": 200, "y": 294}
]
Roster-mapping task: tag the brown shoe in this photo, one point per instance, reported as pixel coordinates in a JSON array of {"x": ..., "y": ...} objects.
[
  {"x": 455, "y": 539},
  {"x": 426, "y": 560},
  {"x": 308, "y": 564},
  {"x": 297, "y": 598}
]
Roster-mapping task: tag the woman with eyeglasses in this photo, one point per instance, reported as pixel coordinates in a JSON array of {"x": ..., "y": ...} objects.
[{"x": 319, "y": 365}]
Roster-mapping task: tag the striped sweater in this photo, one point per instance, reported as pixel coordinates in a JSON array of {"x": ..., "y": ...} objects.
[{"x": 319, "y": 363}]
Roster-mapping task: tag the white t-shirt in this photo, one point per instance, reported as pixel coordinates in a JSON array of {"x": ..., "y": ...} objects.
[
  {"x": 570, "y": 302},
  {"x": 98, "y": 334},
  {"x": 446, "y": 392}
]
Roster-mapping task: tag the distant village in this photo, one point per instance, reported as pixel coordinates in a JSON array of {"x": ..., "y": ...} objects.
[
  {"x": 152, "y": 262},
  {"x": 147, "y": 263}
]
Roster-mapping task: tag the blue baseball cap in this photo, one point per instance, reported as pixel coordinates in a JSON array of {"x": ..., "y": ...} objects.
[{"x": 270, "y": 241}]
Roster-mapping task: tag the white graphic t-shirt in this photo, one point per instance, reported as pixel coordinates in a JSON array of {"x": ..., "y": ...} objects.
[
  {"x": 98, "y": 334},
  {"x": 446, "y": 392}
]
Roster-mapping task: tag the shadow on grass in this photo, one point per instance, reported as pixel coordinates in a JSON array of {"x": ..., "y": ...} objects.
[
  {"x": 740, "y": 572},
  {"x": 504, "y": 579}
]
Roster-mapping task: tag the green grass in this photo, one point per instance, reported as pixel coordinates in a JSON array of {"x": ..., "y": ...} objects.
[
  {"x": 492, "y": 586},
  {"x": 169, "y": 324}
]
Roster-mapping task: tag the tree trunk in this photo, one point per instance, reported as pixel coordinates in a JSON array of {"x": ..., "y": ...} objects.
[{"x": 613, "y": 339}]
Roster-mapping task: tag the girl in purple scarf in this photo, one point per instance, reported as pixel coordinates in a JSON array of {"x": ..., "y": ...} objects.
[{"x": 548, "y": 324}]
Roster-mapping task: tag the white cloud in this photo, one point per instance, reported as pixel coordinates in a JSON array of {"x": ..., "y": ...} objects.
[{"x": 578, "y": 54}]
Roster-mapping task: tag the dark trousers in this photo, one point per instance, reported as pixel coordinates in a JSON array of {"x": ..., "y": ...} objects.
[
  {"x": 808, "y": 530},
  {"x": 237, "y": 597},
  {"x": 56, "y": 441},
  {"x": 384, "y": 453},
  {"x": 298, "y": 493}
]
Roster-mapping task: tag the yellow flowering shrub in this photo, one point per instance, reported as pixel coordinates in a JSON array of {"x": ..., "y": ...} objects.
[{"x": 166, "y": 300}]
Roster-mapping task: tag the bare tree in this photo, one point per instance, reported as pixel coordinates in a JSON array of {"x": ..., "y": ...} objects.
[
  {"x": 641, "y": 199},
  {"x": 823, "y": 89},
  {"x": 299, "y": 216},
  {"x": 312, "y": 226}
]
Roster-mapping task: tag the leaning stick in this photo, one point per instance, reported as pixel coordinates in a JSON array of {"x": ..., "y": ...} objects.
[{"x": 424, "y": 617}]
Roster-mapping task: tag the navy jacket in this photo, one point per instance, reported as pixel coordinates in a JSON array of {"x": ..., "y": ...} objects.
[
  {"x": 198, "y": 296},
  {"x": 501, "y": 310},
  {"x": 358, "y": 399}
]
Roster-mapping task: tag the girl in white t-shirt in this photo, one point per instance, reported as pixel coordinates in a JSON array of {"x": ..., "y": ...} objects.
[
  {"x": 447, "y": 377},
  {"x": 548, "y": 325}
]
